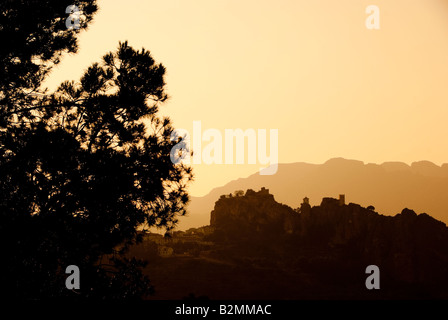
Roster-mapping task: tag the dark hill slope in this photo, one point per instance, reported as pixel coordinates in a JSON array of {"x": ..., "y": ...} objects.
[{"x": 410, "y": 249}]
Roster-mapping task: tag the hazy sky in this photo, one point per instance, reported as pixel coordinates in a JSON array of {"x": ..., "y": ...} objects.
[{"x": 309, "y": 68}]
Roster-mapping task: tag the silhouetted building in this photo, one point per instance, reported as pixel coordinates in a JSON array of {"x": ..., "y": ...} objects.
[
  {"x": 342, "y": 199},
  {"x": 264, "y": 190},
  {"x": 305, "y": 208}
]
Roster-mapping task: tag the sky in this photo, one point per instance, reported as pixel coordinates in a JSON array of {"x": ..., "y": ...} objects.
[{"x": 310, "y": 69}]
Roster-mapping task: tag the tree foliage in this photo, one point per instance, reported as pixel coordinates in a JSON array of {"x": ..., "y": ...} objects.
[{"x": 83, "y": 167}]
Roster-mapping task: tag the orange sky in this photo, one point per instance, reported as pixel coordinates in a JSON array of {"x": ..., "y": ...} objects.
[{"x": 310, "y": 69}]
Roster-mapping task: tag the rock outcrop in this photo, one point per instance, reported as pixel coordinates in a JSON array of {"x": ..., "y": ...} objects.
[
  {"x": 254, "y": 210},
  {"x": 408, "y": 247}
]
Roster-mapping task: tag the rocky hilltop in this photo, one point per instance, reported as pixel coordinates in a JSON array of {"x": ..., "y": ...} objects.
[
  {"x": 257, "y": 248},
  {"x": 409, "y": 248},
  {"x": 252, "y": 211}
]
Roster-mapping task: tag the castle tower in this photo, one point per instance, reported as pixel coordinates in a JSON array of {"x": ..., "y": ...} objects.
[
  {"x": 342, "y": 199},
  {"x": 263, "y": 190},
  {"x": 305, "y": 208}
]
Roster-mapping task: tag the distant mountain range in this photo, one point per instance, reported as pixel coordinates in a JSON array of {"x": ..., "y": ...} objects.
[{"x": 389, "y": 187}]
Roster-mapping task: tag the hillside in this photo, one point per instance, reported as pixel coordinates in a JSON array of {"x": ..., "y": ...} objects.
[
  {"x": 389, "y": 187},
  {"x": 257, "y": 248},
  {"x": 411, "y": 247}
]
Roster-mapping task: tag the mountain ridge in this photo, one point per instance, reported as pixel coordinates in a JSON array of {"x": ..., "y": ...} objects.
[{"x": 389, "y": 187}]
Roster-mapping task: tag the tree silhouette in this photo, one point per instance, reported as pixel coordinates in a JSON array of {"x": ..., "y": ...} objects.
[{"x": 83, "y": 167}]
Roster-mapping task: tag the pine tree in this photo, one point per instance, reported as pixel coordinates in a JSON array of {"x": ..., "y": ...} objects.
[{"x": 81, "y": 168}]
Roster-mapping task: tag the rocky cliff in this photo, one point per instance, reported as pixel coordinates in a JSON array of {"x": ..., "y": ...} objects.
[
  {"x": 252, "y": 212},
  {"x": 408, "y": 247}
]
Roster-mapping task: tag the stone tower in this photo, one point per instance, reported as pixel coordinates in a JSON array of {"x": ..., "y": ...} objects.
[
  {"x": 305, "y": 208},
  {"x": 342, "y": 199}
]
